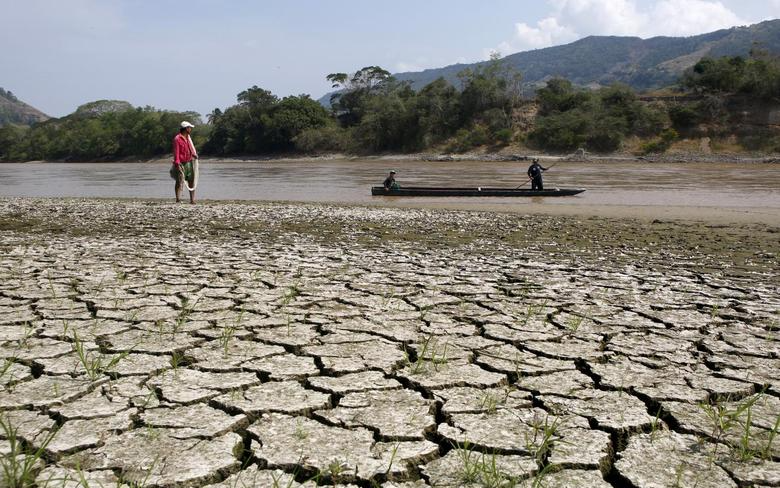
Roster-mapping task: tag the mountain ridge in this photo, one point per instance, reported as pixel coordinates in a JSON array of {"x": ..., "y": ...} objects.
[{"x": 593, "y": 61}]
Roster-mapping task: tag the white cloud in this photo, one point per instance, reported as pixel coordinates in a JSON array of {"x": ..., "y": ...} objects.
[
  {"x": 547, "y": 32},
  {"x": 610, "y": 17},
  {"x": 573, "y": 19},
  {"x": 683, "y": 18}
]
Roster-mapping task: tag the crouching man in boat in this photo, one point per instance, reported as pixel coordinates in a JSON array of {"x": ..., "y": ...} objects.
[
  {"x": 390, "y": 183},
  {"x": 535, "y": 175},
  {"x": 183, "y": 155}
]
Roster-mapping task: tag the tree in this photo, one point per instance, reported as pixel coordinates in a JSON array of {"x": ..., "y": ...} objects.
[
  {"x": 349, "y": 102},
  {"x": 292, "y": 116}
]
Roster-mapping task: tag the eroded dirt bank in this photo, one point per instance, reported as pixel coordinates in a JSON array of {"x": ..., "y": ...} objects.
[{"x": 156, "y": 344}]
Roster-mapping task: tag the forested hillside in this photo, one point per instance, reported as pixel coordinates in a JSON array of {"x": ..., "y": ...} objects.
[
  {"x": 14, "y": 111},
  {"x": 642, "y": 64}
]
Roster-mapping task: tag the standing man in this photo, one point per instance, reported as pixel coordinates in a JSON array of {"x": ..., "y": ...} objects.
[
  {"x": 183, "y": 155},
  {"x": 535, "y": 175}
]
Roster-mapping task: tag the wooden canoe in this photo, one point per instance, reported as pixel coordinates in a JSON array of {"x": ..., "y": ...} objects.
[{"x": 422, "y": 191}]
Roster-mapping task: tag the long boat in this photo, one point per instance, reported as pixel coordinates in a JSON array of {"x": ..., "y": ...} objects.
[{"x": 423, "y": 191}]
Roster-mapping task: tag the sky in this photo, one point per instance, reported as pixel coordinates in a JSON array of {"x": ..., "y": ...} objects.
[{"x": 199, "y": 54}]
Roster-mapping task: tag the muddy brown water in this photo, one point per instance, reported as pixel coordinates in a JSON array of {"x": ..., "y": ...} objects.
[{"x": 714, "y": 185}]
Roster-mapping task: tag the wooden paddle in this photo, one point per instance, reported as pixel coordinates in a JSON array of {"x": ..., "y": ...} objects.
[{"x": 523, "y": 184}]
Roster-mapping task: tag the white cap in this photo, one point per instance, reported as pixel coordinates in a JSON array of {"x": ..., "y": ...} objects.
[{"x": 186, "y": 124}]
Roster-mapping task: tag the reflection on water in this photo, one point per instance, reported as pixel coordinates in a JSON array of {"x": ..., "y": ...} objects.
[{"x": 709, "y": 185}]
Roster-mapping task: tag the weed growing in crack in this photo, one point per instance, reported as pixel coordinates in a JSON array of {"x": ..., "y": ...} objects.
[
  {"x": 288, "y": 322},
  {"x": 51, "y": 285},
  {"x": 240, "y": 316},
  {"x": 278, "y": 480},
  {"x": 766, "y": 452},
  {"x": 29, "y": 331},
  {"x": 95, "y": 364},
  {"x": 181, "y": 318},
  {"x": 428, "y": 354},
  {"x": 225, "y": 337},
  {"x": 489, "y": 402},
  {"x": 739, "y": 418},
  {"x": 424, "y": 313},
  {"x": 143, "y": 483},
  {"x": 20, "y": 463},
  {"x": 290, "y": 293},
  {"x": 655, "y": 425},
  {"x": 121, "y": 275},
  {"x": 148, "y": 399},
  {"x": 152, "y": 433},
  {"x": 177, "y": 359},
  {"x": 714, "y": 312},
  {"x": 575, "y": 321},
  {"x": 481, "y": 469},
  {"x": 679, "y": 471},
  {"x": 532, "y": 311},
  {"x": 540, "y": 444},
  {"x": 538, "y": 480},
  {"x": 5, "y": 368},
  {"x": 300, "y": 432},
  {"x": 336, "y": 469},
  {"x": 393, "y": 454}
]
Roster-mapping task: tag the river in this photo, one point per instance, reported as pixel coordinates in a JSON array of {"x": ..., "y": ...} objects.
[{"x": 686, "y": 185}]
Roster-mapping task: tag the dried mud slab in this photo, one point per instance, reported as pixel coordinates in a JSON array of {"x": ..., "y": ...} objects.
[
  {"x": 343, "y": 454},
  {"x": 393, "y": 414},
  {"x": 354, "y": 382},
  {"x": 669, "y": 459},
  {"x": 153, "y": 457},
  {"x": 189, "y": 386},
  {"x": 283, "y": 397}
]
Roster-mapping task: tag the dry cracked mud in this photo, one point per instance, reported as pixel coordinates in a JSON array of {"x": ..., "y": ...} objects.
[{"x": 146, "y": 344}]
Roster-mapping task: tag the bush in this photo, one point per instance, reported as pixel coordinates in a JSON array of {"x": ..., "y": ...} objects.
[
  {"x": 503, "y": 136},
  {"x": 562, "y": 131},
  {"x": 324, "y": 139},
  {"x": 684, "y": 116},
  {"x": 662, "y": 144},
  {"x": 760, "y": 140},
  {"x": 466, "y": 139}
]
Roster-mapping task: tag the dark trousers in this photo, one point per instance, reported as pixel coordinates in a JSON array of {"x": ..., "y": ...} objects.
[{"x": 536, "y": 183}]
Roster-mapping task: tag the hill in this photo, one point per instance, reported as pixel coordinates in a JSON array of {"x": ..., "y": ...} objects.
[
  {"x": 14, "y": 111},
  {"x": 643, "y": 64}
]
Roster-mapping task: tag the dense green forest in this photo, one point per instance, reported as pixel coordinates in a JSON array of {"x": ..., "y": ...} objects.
[{"x": 372, "y": 112}]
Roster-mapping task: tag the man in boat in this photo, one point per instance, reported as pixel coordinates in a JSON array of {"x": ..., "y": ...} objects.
[
  {"x": 390, "y": 183},
  {"x": 535, "y": 175},
  {"x": 183, "y": 154}
]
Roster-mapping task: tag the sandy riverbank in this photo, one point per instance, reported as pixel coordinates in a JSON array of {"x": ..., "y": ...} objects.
[
  {"x": 259, "y": 343},
  {"x": 508, "y": 155}
]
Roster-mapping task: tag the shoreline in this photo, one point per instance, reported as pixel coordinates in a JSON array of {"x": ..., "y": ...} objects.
[
  {"x": 646, "y": 214},
  {"x": 677, "y": 158}
]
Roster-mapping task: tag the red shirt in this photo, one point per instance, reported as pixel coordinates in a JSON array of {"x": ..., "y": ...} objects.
[{"x": 182, "y": 151}]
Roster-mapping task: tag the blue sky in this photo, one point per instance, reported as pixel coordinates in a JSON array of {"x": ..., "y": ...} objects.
[{"x": 198, "y": 54}]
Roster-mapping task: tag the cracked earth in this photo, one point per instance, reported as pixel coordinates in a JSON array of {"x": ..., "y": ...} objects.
[{"x": 273, "y": 345}]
